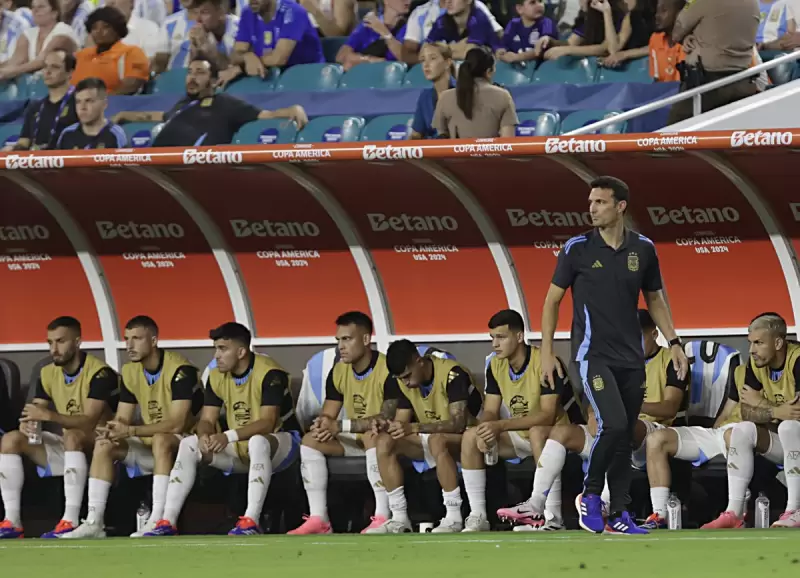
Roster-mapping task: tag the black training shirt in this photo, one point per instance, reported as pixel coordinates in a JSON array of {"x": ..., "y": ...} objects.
[
  {"x": 42, "y": 127},
  {"x": 207, "y": 121}
]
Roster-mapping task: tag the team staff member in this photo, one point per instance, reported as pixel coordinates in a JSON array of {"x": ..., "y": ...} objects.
[
  {"x": 206, "y": 118},
  {"x": 80, "y": 387},
  {"x": 45, "y": 119},
  {"x": 606, "y": 269},
  {"x": 718, "y": 37},
  {"x": 440, "y": 397},
  {"x": 93, "y": 130},
  {"x": 164, "y": 385}
]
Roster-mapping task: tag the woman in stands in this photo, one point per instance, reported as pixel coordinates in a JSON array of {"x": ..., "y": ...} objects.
[
  {"x": 476, "y": 108},
  {"x": 379, "y": 37},
  {"x": 437, "y": 65},
  {"x": 47, "y": 35}
]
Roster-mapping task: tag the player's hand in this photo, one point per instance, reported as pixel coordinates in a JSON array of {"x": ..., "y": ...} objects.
[
  {"x": 117, "y": 430},
  {"x": 550, "y": 368},
  {"x": 33, "y": 412},
  {"x": 789, "y": 411},
  {"x": 601, "y": 6},
  {"x": 27, "y": 428},
  {"x": 488, "y": 431},
  {"x": 750, "y": 396},
  {"x": 378, "y": 425},
  {"x": 399, "y": 429},
  {"x": 217, "y": 443},
  {"x": 253, "y": 65},
  {"x": 203, "y": 443},
  {"x": 679, "y": 361},
  {"x": 482, "y": 445}
]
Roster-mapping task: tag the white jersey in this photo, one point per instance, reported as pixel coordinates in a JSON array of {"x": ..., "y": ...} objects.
[
  {"x": 78, "y": 23},
  {"x": 153, "y": 10},
  {"x": 32, "y": 34},
  {"x": 423, "y": 17},
  {"x": 12, "y": 26},
  {"x": 25, "y": 13},
  {"x": 146, "y": 35},
  {"x": 176, "y": 31}
]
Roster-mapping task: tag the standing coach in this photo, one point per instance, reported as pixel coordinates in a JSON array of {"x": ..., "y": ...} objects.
[{"x": 606, "y": 269}]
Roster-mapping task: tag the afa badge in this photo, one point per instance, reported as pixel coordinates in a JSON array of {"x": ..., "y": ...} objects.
[
  {"x": 633, "y": 262},
  {"x": 268, "y": 38},
  {"x": 206, "y": 102},
  {"x": 597, "y": 383}
]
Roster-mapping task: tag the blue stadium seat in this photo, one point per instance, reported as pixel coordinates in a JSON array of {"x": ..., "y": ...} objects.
[
  {"x": 140, "y": 134},
  {"x": 566, "y": 69},
  {"x": 249, "y": 84},
  {"x": 171, "y": 82},
  {"x": 267, "y": 132},
  {"x": 637, "y": 70},
  {"x": 9, "y": 133},
  {"x": 14, "y": 90},
  {"x": 331, "y": 46},
  {"x": 511, "y": 75},
  {"x": 374, "y": 75},
  {"x": 782, "y": 73},
  {"x": 328, "y": 129},
  {"x": 36, "y": 87},
  {"x": 389, "y": 127},
  {"x": 537, "y": 123},
  {"x": 415, "y": 78},
  {"x": 581, "y": 118},
  {"x": 310, "y": 77}
]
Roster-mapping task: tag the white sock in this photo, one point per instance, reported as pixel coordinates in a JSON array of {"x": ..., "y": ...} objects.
[
  {"x": 314, "y": 469},
  {"x": 98, "y": 498},
  {"x": 181, "y": 478},
  {"x": 658, "y": 498},
  {"x": 789, "y": 434},
  {"x": 741, "y": 456},
  {"x": 397, "y": 504},
  {"x": 76, "y": 470},
  {"x": 553, "y": 502},
  {"x": 160, "y": 485},
  {"x": 452, "y": 502},
  {"x": 475, "y": 484},
  {"x": 374, "y": 477},
  {"x": 606, "y": 495},
  {"x": 259, "y": 476},
  {"x": 548, "y": 468},
  {"x": 12, "y": 477}
]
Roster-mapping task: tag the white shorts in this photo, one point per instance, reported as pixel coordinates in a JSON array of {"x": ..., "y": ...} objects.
[
  {"x": 230, "y": 461},
  {"x": 638, "y": 456},
  {"x": 430, "y": 461},
  {"x": 522, "y": 446},
  {"x": 351, "y": 445},
  {"x": 139, "y": 460},
  {"x": 54, "y": 448},
  {"x": 700, "y": 444}
]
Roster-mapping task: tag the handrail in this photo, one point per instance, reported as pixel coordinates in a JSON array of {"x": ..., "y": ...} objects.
[{"x": 695, "y": 93}]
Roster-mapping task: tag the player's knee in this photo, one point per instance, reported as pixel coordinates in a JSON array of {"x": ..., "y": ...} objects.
[
  {"x": 103, "y": 450},
  {"x": 744, "y": 434},
  {"x": 558, "y": 433},
  {"x": 13, "y": 442},
  {"x": 657, "y": 442},
  {"x": 384, "y": 444},
  {"x": 258, "y": 445},
  {"x": 188, "y": 445},
  {"x": 164, "y": 443},
  {"x": 789, "y": 430},
  {"x": 369, "y": 439},
  {"x": 437, "y": 444},
  {"x": 539, "y": 434},
  {"x": 74, "y": 440}
]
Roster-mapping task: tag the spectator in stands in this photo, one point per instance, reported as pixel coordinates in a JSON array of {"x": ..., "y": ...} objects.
[
  {"x": 425, "y": 16},
  {"x": 476, "y": 108},
  {"x": 523, "y": 32},
  {"x": 47, "y": 35},
  {"x": 143, "y": 33},
  {"x": 664, "y": 53},
  {"x": 124, "y": 69},
  {"x": 718, "y": 37},
  {"x": 75, "y": 13},
  {"x": 175, "y": 28},
  {"x": 12, "y": 26},
  {"x": 153, "y": 10},
  {"x": 93, "y": 130},
  {"x": 464, "y": 27},
  {"x": 437, "y": 65},
  {"x": 592, "y": 35},
  {"x": 379, "y": 37},
  {"x": 778, "y": 27},
  {"x": 332, "y": 17},
  {"x": 47, "y": 118},
  {"x": 206, "y": 118},
  {"x": 20, "y": 8}
]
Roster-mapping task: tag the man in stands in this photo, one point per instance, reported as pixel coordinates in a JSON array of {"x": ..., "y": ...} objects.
[
  {"x": 80, "y": 386},
  {"x": 438, "y": 399},
  {"x": 204, "y": 117},
  {"x": 664, "y": 395},
  {"x": 514, "y": 388},
  {"x": 262, "y": 438},
  {"x": 93, "y": 130},
  {"x": 164, "y": 385},
  {"x": 463, "y": 27},
  {"x": 361, "y": 383},
  {"x": 12, "y": 26},
  {"x": 770, "y": 411}
]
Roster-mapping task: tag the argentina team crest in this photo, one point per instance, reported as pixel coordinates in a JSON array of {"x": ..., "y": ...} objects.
[
  {"x": 597, "y": 383},
  {"x": 633, "y": 262}
]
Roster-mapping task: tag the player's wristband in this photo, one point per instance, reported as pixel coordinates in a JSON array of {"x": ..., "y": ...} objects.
[
  {"x": 676, "y": 341},
  {"x": 232, "y": 436},
  {"x": 345, "y": 426}
]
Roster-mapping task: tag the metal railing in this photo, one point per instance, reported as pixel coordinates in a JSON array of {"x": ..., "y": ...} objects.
[{"x": 696, "y": 94}]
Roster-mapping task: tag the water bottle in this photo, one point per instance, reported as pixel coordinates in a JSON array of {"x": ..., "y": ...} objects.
[
  {"x": 674, "y": 513},
  {"x": 491, "y": 456},
  {"x": 762, "y": 511},
  {"x": 142, "y": 516},
  {"x": 35, "y": 433}
]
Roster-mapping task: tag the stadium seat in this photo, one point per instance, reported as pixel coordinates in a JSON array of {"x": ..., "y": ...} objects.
[
  {"x": 538, "y": 123},
  {"x": 10, "y": 372},
  {"x": 251, "y": 84},
  {"x": 9, "y": 133},
  {"x": 415, "y": 78},
  {"x": 140, "y": 134},
  {"x": 36, "y": 88},
  {"x": 637, "y": 70},
  {"x": 582, "y": 118},
  {"x": 328, "y": 129},
  {"x": 331, "y": 46},
  {"x": 14, "y": 90},
  {"x": 310, "y": 77},
  {"x": 389, "y": 127},
  {"x": 266, "y": 132},
  {"x": 566, "y": 69},
  {"x": 170, "y": 82},
  {"x": 374, "y": 75},
  {"x": 511, "y": 75},
  {"x": 711, "y": 371}
]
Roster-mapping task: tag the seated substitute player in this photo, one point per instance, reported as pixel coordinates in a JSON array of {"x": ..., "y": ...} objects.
[
  {"x": 514, "y": 388},
  {"x": 441, "y": 395},
  {"x": 360, "y": 383},
  {"x": 80, "y": 387},
  {"x": 770, "y": 412},
  {"x": 663, "y": 398},
  {"x": 262, "y": 438},
  {"x": 164, "y": 385}
]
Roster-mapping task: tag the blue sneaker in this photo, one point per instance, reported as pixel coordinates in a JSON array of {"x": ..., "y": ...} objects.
[
  {"x": 624, "y": 525},
  {"x": 163, "y": 528},
  {"x": 654, "y": 522},
  {"x": 590, "y": 513},
  {"x": 9, "y": 531},
  {"x": 63, "y": 527},
  {"x": 245, "y": 527}
]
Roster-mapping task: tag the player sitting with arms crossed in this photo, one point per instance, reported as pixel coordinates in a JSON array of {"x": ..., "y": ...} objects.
[
  {"x": 164, "y": 385},
  {"x": 80, "y": 387},
  {"x": 431, "y": 389},
  {"x": 770, "y": 411},
  {"x": 361, "y": 383},
  {"x": 262, "y": 438},
  {"x": 514, "y": 388},
  {"x": 664, "y": 395}
]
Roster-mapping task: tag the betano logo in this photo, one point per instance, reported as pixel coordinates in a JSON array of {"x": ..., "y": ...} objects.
[
  {"x": 542, "y": 218},
  {"x": 740, "y": 138},
  {"x": 389, "y": 152},
  {"x": 130, "y": 230},
  {"x": 380, "y": 222},
  {"x": 574, "y": 145},
  {"x": 23, "y": 233},
  {"x": 33, "y": 162},
  {"x": 243, "y": 228},
  {"x": 690, "y": 216},
  {"x": 211, "y": 157}
]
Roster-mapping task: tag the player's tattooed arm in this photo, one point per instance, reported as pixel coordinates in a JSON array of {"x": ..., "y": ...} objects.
[
  {"x": 388, "y": 411},
  {"x": 456, "y": 424},
  {"x": 763, "y": 413}
]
